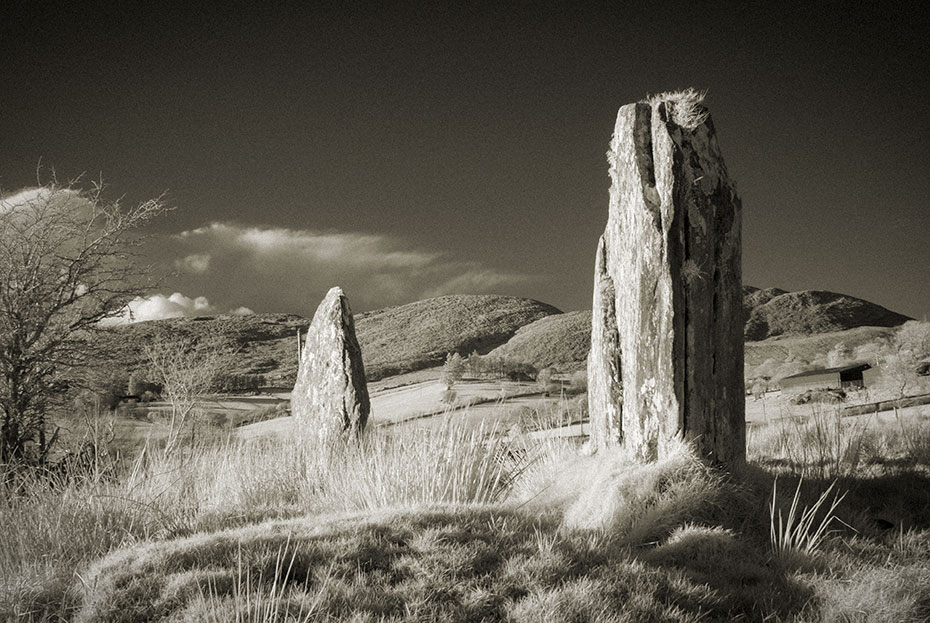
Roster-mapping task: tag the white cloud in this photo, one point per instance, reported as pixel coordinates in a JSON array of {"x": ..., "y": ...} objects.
[
  {"x": 288, "y": 269},
  {"x": 345, "y": 248},
  {"x": 196, "y": 263},
  {"x": 30, "y": 201},
  {"x": 159, "y": 307}
]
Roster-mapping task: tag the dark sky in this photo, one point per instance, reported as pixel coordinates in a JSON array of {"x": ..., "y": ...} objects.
[{"x": 414, "y": 151}]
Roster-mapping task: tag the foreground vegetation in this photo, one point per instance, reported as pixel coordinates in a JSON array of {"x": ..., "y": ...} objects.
[{"x": 453, "y": 524}]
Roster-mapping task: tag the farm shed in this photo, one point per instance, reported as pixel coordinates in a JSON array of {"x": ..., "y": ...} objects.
[
  {"x": 830, "y": 378},
  {"x": 871, "y": 377}
]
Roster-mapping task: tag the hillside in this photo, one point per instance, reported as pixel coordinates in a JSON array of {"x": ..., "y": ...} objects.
[
  {"x": 263, "y": 343},
  {"x": 812, "y": 347},
  {"x": 774, "y": 312},
  {"x": 808, "y": 323},
  {"x": 418, "y": 335},
  {"x": 411, "y": 337},
  {"x": 393, "y": 340},
  {"x": 561, "y": 341}
]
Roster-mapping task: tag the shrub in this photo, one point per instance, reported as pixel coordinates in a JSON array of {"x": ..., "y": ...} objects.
[
  {"x": 452, "y": 371},
  {"x": 579, "y": 381},
  {"x": 827, "y": 396}
]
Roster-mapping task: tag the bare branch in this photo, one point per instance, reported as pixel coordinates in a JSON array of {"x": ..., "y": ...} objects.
[{"x": 66, "y": 263}]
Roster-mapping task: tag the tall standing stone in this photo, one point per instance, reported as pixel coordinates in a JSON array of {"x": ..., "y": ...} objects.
[
  {"x": 670, "y": 256},
  {"x": 330, "y": 399}
]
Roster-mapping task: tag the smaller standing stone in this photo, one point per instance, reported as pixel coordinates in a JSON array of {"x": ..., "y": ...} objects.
[{"x": 330, "y": 399}]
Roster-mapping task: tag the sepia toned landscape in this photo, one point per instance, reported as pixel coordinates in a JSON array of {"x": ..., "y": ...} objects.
[{"x": 269, "y": 405}]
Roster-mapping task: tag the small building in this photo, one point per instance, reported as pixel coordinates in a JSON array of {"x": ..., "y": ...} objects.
[
  {"x": 842, "y": 377},
  {"x": 871, "y": 377}
]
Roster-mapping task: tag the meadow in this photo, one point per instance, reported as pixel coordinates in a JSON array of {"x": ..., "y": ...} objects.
[{"x": 828, "y": 521}]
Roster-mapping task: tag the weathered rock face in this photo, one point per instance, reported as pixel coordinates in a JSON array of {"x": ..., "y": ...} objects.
[
  {"x": 671, "y": 256},
  {"x": 330, "y": 398},
  {"x": 605, "y": 392}
]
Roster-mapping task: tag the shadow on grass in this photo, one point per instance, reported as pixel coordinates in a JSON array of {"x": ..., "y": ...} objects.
[
  {"x": 461, "y": 564},
  {"x": 726, "y": 577},
  {"x": 897, "y": 499}
]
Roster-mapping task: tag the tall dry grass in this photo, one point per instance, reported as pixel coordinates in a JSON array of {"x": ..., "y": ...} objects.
[
  {"x": 801, "y": 531},
  {"x": 673, "y": 514},
  {"x": 53, "y": 524},
  {"x": 447, "y": 464},
  {"x": 826, "y": 445}
]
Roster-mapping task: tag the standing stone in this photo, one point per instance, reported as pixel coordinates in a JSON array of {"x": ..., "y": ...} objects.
[
  {"x": 671, "y": 257},
  {"x": 330, "y": 398}
]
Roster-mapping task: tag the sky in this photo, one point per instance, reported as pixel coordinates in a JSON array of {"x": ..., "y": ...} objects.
[{"x": 415, "y": 150}]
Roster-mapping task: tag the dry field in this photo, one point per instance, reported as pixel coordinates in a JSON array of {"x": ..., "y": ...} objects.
[{"x": 455, "y": 517}]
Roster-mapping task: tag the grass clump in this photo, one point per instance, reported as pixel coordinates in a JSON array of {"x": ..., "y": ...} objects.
[
  {"x": 826, "y": 445},
  {"x": 800, "y": 532},
  {"x": 447, "y": 464},
  {"x": 614, "y": 492},
  {"x": 685, "y": 108}
]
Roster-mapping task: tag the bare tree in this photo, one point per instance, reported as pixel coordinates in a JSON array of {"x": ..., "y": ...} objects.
[
  {"x": 544, "y": 378},
  {"x": 67, "y": 262},
  {"x": 452, "y": 371},
  {"x": 187, "y": 369}
]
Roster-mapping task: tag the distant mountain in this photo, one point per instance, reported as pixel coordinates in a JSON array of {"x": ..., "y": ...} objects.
[
  {"x": 774, "y": 312},
  {"x": 410, "y": 337},
  {"x": 264, "y": 343},
  {"x": 393, "y": 340},
  {"x": 564, "y": 340},
  {"x": 419, "y": 335}
]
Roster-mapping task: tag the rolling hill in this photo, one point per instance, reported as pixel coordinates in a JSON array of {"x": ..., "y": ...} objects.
[
  {"x": 561, "y": 341},
  {"x": 805, "y": 322},
  {"x": 393, "y": 340},
  {"x": 418, "y": 335},
  {"x": 774, "y": 312}
]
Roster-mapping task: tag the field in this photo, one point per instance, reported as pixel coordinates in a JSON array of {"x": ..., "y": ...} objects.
[
  {"x": 468, "y": 514},
  {"x": 417, "y": 400}
]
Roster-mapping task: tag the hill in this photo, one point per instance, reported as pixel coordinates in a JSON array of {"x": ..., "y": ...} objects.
[
  {"x": 774, "y": 312},
  {"x": 263, "y": 343},
  {"x": 418, "y": 335},
  {"x": 393, "y": 340},
  {"x": 561, "y": 341},
  {"x": 815, "y": 346},
  {"x": 807, "y": 323}
]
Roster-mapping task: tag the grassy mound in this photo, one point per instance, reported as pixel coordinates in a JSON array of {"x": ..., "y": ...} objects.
[
  {"x": 446, "y": 525},
  {"x": 639, "y": 542},
  {"x": 463, "y": 564}
]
